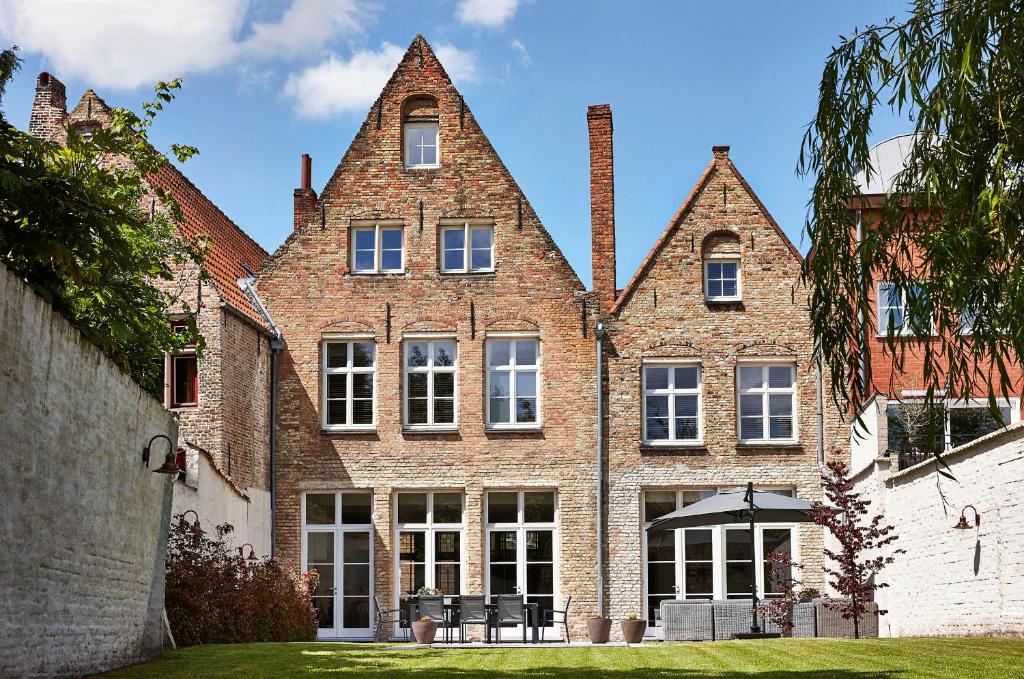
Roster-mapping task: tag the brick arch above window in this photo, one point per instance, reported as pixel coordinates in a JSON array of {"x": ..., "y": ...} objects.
[
  {"x": 670, "y": 349},
  {"x": 431, "y": 324},
  {"x": 420, "y": 105},
  {"x": 765, "y": 349},
  {"x": 722, "y": 242},
  {"x": 510, "y": 322},
  {"x": 347, "y": 325}
]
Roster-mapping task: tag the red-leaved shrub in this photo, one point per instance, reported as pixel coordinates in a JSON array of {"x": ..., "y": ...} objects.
[{"x": 215, "y": 596}]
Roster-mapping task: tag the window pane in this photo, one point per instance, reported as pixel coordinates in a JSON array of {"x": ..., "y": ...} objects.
[
  {"x": 658, "y": 503},
  {"x": 362, "y": 385},
  {"x": 699, "y": 579},
  {"x": 657, "y": 406},
  {"x": 686, "y": 428},
  {"x": 657, "y": 428},
  {"x": 526, "y": 352},
  {"x": 751, "y": 404},
  {"x": 729, "y": 288},
  {"x": 391, "y": 260},
  {"x": 481, "y": 237},
  {"x": 444, "y": 353},
  {"x": 417, "y": 385},
  {"x": 357, "y": 579},
  {"x": 412, "y": 508},
  {"x": 499, "y": 352},
  {"x": 729, "y": 270},
  {"x": 416, "y": 354},
  {"x": 686, "y": 378},
  {"x": 780, "y": 376},
  {"x": 503, "y": 578},
  {"x": 751, "y": 377},
  {"x": 503, "y": 546},
  {"x": 714, "y": 271},
  {"x": 737, "y": 579},
  {"x": 526, "y": 410},
  {"x": 454, "y": 239},
  {"x": 365, "y": 239},
  {"x": 967, "y": 424},
  {"x": 391, "y": 239},
  {"x": 499, "y": 384},
  {"x": 780, "y": 404},
  {"x": 692, "y": 496},
  {"x": 320, "y": 508},
  {"x": 324, "y": 611},
  {"x": 737, "y": 544},
  {"x": 412, "y": 546},
  {"x": 539, "y": 507},
  {"x": 539, "y": 547},
  {"x": 780, "y": 427},
  {"x": 481, "y": 259},
  {"x": 364, "y": 260},
  {"x": 502, "y": 507},
  {"x": 656, "y": 378},
  {"x": 412, "y": 577},
  {"x": 661, "y": 577},
  {"x": 320, "y": 548},
  {"x": 447, "y": 507},
  {"x": 714, "y": 288},
  {"x": 446, "y": 578},
  {"x": 500, "y": 410},
  {"x": 362, "y": 411},
  {"x": 446, "y": 544},
  {"x": 686, "y": 405},
  {"x": 661, "y": 546},
  {"x": 337, "y": 354},
  {"x": 698, "y": 545},
  {"x": 429, "y": 154},
  {"x": 751, "y": 428},
  {"x": 444, "y": 411},
  {"x": 336, "y": 412},
  {"x": 444, "y": 385},
  {"x": 337, "y": 386},
  {"x": 526, "y": 383},
  {"x": 454, "y": 260},
  {"x": 184, "y": 380},
  {"x": 356, "y": 507},
  {"x": 418, "y": 411}
]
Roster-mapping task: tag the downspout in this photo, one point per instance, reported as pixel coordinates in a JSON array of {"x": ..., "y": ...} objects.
[
  {"x": 819, "y": 414},
  {"x": 276, "y": 345},
  {"x": 599, "y": 334},
  {"x": 860, "y": 307}
]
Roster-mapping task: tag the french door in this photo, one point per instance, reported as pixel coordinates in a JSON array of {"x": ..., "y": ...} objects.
[
  {"x": 337, "y": 542},
  {"x": 522, "y": 546}
]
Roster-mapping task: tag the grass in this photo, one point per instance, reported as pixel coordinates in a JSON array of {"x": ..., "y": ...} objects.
[{"x": 983, "y": 658}]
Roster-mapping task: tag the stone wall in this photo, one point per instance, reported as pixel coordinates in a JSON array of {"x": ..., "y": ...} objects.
[
  {"x": 84, "y": 523},
  {"x": 950, "y": 581}
]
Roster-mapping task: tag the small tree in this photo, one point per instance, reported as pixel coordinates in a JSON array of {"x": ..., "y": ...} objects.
[
  {"x": 780, "y": 610},
  {"x": 861, "y": 541}
]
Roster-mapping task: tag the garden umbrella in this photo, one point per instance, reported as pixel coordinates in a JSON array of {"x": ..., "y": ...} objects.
[{"x": 738, "y": 505}]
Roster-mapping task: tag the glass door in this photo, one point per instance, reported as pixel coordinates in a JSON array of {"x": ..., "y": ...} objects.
[{"x": 338, "y": 545}]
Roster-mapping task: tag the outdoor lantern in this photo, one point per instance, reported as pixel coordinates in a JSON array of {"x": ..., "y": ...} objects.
[
  {"x": 195, "y": 526},
  {"x": 168, "y": 467},
  {"x": 962, "y": 523},
  {"x": 252, "y": 552},
  {"x": 145, "y": 451}
]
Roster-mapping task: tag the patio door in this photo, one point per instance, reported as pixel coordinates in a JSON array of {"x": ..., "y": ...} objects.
[
  {"x": 338, "y": 544},
  {"x": 522, "y": 541}
]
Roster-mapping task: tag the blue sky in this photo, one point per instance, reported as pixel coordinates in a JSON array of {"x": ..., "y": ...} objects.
[{"x": 267, "y": 81}]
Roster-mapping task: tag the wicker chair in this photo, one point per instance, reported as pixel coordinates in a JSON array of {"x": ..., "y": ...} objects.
[
  {"x": 805, "y": 620},
  {"x": 831, "y": 622},
  {"x": 732, "y": 616},
  {"x": 687, "y": 620}
]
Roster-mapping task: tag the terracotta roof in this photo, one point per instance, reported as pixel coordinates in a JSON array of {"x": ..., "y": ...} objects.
[
  {"x": 677, "y": 218},
  {"x": 230, "y": 247}
]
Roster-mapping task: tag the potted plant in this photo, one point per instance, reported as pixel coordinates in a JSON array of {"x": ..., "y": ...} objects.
[
  {"x": 633, "y": 628},
  {"x": 808, "y": 593},
  {"x": 428, "y": 591},
  {"x": 599, "y": 628},
  {"x": 424, "y": 630}
]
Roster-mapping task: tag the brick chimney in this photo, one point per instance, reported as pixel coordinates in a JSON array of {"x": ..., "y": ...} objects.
[
  {"x": 305, "y": 196},
  {"x": 602, "y": 205},
  {"x": 49, "y": 109}
]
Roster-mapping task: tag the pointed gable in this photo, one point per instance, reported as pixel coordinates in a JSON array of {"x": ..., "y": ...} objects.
[{"x": 720, "y": 173}]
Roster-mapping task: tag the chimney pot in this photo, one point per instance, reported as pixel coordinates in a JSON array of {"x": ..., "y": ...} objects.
[
  {"x": 305, "y": 199},
  {"x": 307, "y": 172},
  {"x": 720, "y": 151}
]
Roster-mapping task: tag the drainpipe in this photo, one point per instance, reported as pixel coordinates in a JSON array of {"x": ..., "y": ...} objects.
[
  {"x": 819, "y": 414},
  {"x": 599, "y": 334},
  {"x": 860, "y": 309}
]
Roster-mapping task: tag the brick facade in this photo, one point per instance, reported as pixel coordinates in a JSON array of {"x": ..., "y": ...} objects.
[
  {"x": 662, "y": 314},
  {"x": 310, "y": 289}
]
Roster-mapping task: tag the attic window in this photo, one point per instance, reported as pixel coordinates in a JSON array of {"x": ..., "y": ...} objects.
[
  {"x": 721, "y": 254},
  {"x": 421, "y": 133}
]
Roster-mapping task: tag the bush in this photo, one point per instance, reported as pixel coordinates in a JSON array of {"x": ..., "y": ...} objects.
[{"x": 215, "y": 596}]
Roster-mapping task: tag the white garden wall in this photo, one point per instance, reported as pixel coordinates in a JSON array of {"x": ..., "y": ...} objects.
[
  {"x": 955, "y": 582},
  {"x": 83, "y": 524}
]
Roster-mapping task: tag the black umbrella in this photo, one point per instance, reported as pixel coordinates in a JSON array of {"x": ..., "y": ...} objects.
[{"x": 738, "y": 505}]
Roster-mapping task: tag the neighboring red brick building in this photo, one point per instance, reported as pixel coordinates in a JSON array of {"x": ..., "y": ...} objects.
[
  {"x": 436, "y": 391},
  {"x": 221, "y": 398},
  {"x": 889, "y": 414}
]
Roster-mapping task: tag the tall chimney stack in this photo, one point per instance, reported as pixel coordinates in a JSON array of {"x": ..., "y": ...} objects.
[
  {"x": 305, "y": 196},
  {"x": 49, "y": 109},
  {"x": 602, "y": 205}
]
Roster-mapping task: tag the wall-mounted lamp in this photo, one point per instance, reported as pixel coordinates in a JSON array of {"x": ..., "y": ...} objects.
[
  {"x": 962, "y": 523},
  {"x": 252, "y": 552},
  {"x": 196, "y": 530},
  {"x": 168, "y": 467}
]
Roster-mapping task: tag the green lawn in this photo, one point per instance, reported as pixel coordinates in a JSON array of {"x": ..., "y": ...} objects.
[{"x": 983, "y": 658}]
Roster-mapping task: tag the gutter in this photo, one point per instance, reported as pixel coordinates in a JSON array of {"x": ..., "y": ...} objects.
[
  {"x": 276, "y": 345},
  {"x": 599, "y": 335}
]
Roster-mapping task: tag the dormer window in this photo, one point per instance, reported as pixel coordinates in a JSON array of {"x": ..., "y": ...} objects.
[{"x": 421, "y": 133}]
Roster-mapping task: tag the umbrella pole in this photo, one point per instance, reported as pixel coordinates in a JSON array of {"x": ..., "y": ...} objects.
[{"x": 754, "y": 627}]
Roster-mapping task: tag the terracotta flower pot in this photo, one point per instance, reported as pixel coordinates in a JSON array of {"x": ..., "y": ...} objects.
[
  {"x": 599, "y": 629},
  {"x": 633, "y": 630},
  {"x": 424, "y": 631}
]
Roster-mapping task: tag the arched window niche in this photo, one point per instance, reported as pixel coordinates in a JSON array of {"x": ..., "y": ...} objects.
[
  {"x": 722, "y": 271},
  {"x": 421, "y": 147}
]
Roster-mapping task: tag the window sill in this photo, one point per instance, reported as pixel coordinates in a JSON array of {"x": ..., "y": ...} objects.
[
  {"x": 392, "y": 274},
  {"x": 348, "y": 430},
  {"x": 723, "y": 300},
  {"x": 780, "y": 446},
  {"x": 673, "y": 448},
  {"x": 430, "y": 430},
  {"x": 421, "y": 168},
  {"x": 482, "y": 272},
  {"x": 531, "y": 429},
  {"x": 183, "y": 408}
]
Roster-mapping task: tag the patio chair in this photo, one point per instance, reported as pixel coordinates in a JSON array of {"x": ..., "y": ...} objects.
[
  {"x": 550, "y": 617},
  {"x": 387, "y": 617},
  {"x": 472, "y": 611},
  {"x": 687, "y": 620},
  {"x": 432, "y": 607},
  {"x": 511, "y": 611}
]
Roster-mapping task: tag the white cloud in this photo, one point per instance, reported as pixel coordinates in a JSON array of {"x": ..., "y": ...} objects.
[
  {"x": 337, "y": 85},
  {"x": 524, "y": 56},
  {"x": 488, "y": 13},
  {"x": 128, "y": 43}
]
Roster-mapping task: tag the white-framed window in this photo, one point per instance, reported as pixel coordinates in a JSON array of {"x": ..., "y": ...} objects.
[
  {"x": 722, "y": 279},
  {"x": 513, "y": 382},
  {"x": 467, "y": 248},
  {"x": 711, "y": 562},
  {"x": 429, "y": 541},
  {"x": 182, "y": 374},
  {"x": 954, "y": 422},
  {"x": 766, "y": 395},
  {"x": 894, "y": 310},
  {"x": 430, "y": 377},
  {"x": 378, "y": 248},
  {"x": 522, "y": 545},
  {"x": 672, "y": 403},
  {"x": 422, "y": 144},
  {"x": 349, "y": 387}
]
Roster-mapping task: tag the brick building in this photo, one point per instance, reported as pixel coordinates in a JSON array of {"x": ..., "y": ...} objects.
[
  {"x": 222, "y": 397},
  {"x": 710, "y": 385},
  {"x": 436, "y": 394},
  {"x": 895, "y": 424}
]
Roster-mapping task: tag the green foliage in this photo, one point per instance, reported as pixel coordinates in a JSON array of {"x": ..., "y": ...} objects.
[
  {"x": 76, "y": 223},
  {"x": 216, "y": 596},
  {"x": 952, "y": 222}
]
